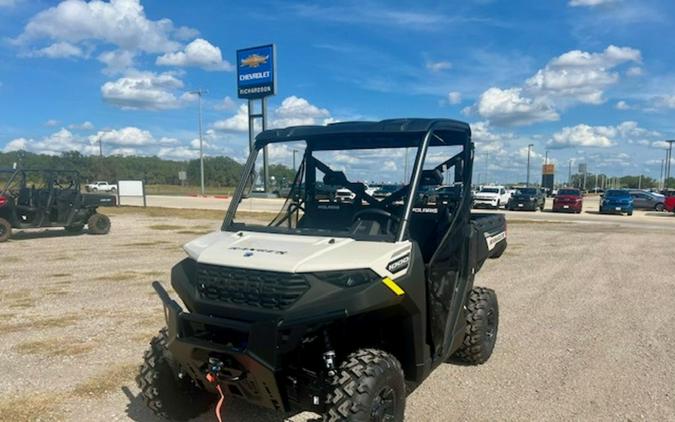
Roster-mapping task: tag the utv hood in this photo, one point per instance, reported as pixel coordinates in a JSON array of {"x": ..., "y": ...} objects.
[{"x": 293, "y": 253}]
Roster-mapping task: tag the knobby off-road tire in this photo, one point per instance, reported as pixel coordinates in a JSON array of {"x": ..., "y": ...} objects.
[
  {"x": 369, "y": 386},
  {"x": 482, "y": 321},
  {"x": 98, "y": 224},
  {"x": 5, "y": 230},
  {"x": 166, "y": 395}
]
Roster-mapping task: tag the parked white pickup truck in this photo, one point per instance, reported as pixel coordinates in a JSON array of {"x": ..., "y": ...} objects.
[
  {"x": 491, "y": 197},
  {"x": 100, "y": 187}
]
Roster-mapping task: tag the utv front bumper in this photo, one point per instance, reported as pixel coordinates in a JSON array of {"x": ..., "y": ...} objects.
[{"x": 192, "y": 341}]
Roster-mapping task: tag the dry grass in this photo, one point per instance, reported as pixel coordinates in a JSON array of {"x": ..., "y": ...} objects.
[
  {"x": 186, "y": 213},
  {"x": 20, "y": 299},
  {"x": 107, "y": 382},
  {"x": 168, "y": 227},
  {"x": 129, "y": 275},
  {"x": 148, "y": 243},
  {"x": 55, "y": 347},
  {"x": 32, "y": 407},
  {"x": 39, "y": 324},
  {"x": 11, "y": 259},
  {"x": 191, "y": 214}
]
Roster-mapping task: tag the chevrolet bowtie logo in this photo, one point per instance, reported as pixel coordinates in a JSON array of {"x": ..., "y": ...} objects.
[{"x": 254, "y": 60}]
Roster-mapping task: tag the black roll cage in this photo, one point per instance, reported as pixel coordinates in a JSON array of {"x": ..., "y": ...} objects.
[
  {"x": 394, "y": 133},
  {"x": 44, "y": 174}
]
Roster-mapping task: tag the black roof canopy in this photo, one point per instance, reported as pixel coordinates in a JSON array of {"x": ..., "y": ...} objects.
[{"x": 391, "y": 133}]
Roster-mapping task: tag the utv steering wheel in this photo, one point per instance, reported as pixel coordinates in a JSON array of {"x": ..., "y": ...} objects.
[{"x": 379, "y": 212}]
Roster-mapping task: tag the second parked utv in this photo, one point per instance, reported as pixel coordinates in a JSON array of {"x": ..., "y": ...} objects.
[
  {"x": 49, "y": 198},
  {"x": 336, "y": 307}
]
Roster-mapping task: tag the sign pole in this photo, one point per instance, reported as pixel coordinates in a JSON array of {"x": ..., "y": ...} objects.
[
  {"x": 265, "y": 162},
  {"x": 251, "y": 131}
]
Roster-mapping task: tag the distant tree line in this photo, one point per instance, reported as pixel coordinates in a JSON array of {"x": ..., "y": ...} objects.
[
  {"x": 218, "y": 171},
  {"x": 604, "y": 181}
]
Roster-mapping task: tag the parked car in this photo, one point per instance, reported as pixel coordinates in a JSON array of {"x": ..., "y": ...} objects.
[
  {"x": 617, "y": 201},
  {"x": 527, "y": 199},
  {"x": 491, "y": 197},
  {"x": 669, "y": 204},
  {"x": 568, "y": 200},
  {"x": 385, "y": 190},
  {"x": 647, "y": 200},
  {"x": 344, "y": 195},
  {"x": 100, "y": 187}
]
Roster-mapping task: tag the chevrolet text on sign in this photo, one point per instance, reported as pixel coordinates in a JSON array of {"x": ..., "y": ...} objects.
[{"x": 255, "y": 72}]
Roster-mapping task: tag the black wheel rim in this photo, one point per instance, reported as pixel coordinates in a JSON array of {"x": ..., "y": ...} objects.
[
  {"x": 101, "y": 224},
  {"x": 491, "y": 329},
  {"x": 383, "y": 408}
]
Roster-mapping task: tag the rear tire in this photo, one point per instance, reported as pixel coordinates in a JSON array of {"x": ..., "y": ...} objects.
[
  {"x": 166, "y": 395},
  {"x": 5, "y": 230},
  {"x": 482, "y": 322},
  {"x": 629, "y": 213},
  {"x": 98, "y": 224},
  {"x": 658, "y": 207},
  {"x": 369, "y": 386}
]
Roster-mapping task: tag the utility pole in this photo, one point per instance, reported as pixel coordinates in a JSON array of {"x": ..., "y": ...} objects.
[
  {"x": 585, "y": 173},
  {"x": 640, "y": 181},
  {"x": 546, "y": 158},
  {"x": 661, "y": 175},
  {"x": 569, "y": 174},
  {"x": 529, "y": 151},
  {"x": 200, "y": 93},
  {"x": 668, "y": 162}
]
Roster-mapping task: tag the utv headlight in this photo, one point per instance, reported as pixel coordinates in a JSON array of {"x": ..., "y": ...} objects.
[{"x": 348, "y": 278}]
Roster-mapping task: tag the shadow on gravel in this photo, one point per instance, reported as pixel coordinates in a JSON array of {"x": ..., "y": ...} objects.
[
  {"x": 660, "y": 214},
  {"x": 233, "y": 410},
  {"x": 43, "y": 234}
]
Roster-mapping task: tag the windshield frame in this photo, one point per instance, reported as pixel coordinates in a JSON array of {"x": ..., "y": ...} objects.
[{"x": 411, "y": 189}]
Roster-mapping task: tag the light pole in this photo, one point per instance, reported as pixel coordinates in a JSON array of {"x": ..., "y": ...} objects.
[
  {"x": 487, "y": 167},
  {"x": 200, "y": 93},
  {"x": 529, "y": 151},
  {"x": 663, "y": 162},
  {"x": 668, "y": 162},
  {"x": 569, "y": 174},
  {"x": 294, "y": 152}
]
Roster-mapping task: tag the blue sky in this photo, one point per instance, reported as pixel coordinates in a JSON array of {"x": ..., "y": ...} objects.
[{"x": 590, "y": 80}]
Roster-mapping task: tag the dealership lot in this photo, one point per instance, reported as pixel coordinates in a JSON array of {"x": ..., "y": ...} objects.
[{"x": 586, "y": 327}]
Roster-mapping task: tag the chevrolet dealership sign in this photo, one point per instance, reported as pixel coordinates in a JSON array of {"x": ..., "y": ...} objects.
[{"x": 256, "y": 77}]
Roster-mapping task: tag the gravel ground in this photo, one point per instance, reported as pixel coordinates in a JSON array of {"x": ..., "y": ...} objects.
[{"x": 586, "y": 328}]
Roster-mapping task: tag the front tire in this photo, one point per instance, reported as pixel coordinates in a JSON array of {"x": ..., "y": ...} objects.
[
  {"x": 5, "y": 230},
  {"x": 658, "y": 207},
  {"x": 369, "y": 386},
  {"x": 482, "y": 322},
  {"x": 98, "y": 224},
  {"x": 166, "y": 395}
]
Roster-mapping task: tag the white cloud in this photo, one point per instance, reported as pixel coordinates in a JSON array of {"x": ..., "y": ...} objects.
[
  {"x": 82, "y": 126},
  {"x": 59, "y": 50},
  {"x": 622, "y": 105},
  {"x": 52, "y": 123},
  {"x": 144, "y": 90},
  {"x": 17, "y": 144},
  {"x": 579, "y": 76},
  {"x": 199, "y": 53},
  {"x": 569, "y": 79},
  {"x": 180, "y": 153},
  {"x": 296, "y": 111},
  {"x": 227, "y": 103},
  {"x": 508, "y": 107},
  {"x": 664, "y": 101},
  {"x": 126, "y": 152},
  {"x": 117, "y": 61},
  {"x": 61, "y": 141},
  {"x": 128, "y": 136},
  {"x": 119, "y": 22},
  {"x": 438, "y": 66},
  {"x": 236, "y": 123},
  {"x": 454, "y": 97},
  {"x": 634, "y": 71},
  {"x": 589, "y": 3},
  {"x": 599, "y": 136}
]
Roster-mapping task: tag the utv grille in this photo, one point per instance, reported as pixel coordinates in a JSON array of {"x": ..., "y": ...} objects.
[{"x": 262, "y": 289}]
